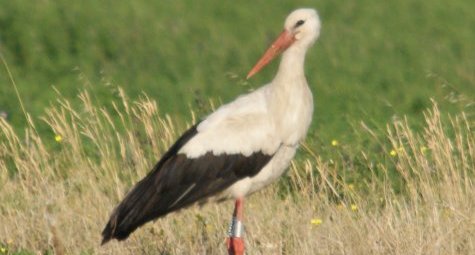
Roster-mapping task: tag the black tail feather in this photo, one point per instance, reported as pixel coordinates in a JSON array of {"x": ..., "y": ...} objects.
[
  {"x": 135, "y": 210},
  {"x": 143, "y": 202}
]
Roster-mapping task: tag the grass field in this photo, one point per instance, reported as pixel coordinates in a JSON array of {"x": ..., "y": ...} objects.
[
  {"x": 374, "y": 60},
  {"x": 416, "y": 198},
  {"x": 387, "y": 168}
]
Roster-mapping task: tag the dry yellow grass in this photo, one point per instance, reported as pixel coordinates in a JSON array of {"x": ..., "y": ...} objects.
[{"x": 62, "y": 191}]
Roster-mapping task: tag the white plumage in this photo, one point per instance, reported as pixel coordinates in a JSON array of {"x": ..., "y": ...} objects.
[{"x": 243, "y": 126}]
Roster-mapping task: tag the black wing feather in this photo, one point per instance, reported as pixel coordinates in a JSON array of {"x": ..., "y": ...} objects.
[{"x": 176, "y": 182}]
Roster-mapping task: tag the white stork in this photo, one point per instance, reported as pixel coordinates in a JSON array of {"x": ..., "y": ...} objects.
[{"x": 237, "y": 150}]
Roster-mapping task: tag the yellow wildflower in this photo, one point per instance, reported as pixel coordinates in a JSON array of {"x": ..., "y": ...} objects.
[
  {"x": 351, "y": 186},
  {"x": 334, "y": 143},
  {"x": 316, "y": 221},
  {"x": 354, "y": 207},
  {"x": 58, "y": 138},
  {"x": 393, "y": 153},
  {"x": 3, "y": 250}
]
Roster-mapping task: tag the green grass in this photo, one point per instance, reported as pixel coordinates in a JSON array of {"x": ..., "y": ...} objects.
[{"x": 374, "y": 60}]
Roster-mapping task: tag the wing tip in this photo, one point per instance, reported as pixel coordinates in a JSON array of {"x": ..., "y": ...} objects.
[
  {"x": 107, "y": 234},
  {"x": 105, "y": 240}
]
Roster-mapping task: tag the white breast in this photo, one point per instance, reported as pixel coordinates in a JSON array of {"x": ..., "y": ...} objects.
[{"x": 293, "y": 110}]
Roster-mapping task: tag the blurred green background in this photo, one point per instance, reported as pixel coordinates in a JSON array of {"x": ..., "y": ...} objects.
[{"x": 375, "y": 60}]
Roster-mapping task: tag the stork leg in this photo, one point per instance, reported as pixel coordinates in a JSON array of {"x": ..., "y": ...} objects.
[{"x": 235, "y": 241}]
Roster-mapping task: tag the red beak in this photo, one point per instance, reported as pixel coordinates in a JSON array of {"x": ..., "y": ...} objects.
[{"x": 282, "y": 42}]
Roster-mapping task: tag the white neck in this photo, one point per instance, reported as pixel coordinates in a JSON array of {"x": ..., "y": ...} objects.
[
  {"x": 291, "y": 66},
  {"x": 290, "y": 99}
]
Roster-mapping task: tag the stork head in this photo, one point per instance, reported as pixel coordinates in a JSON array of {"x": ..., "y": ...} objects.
[
  {"x": 301, "y": 29},
  {"x": 303, "y": 25}
]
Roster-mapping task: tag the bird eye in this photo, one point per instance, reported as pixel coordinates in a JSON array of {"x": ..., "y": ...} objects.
[{"x": 299, "y": 23}]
